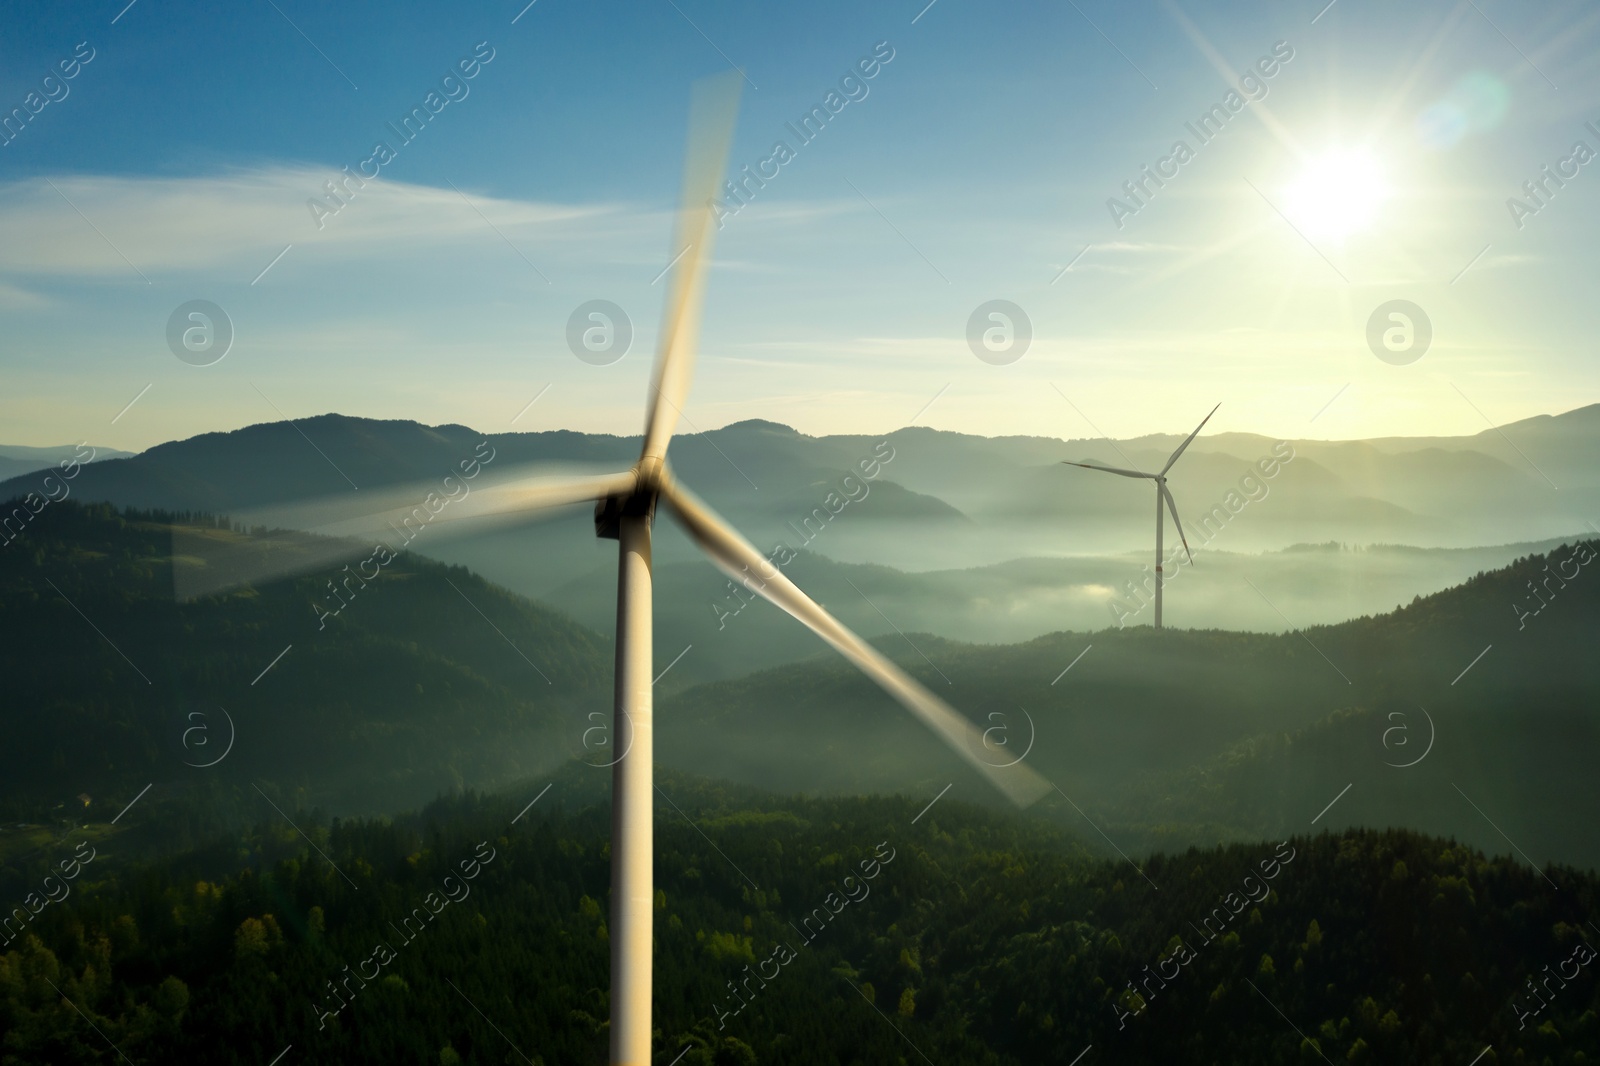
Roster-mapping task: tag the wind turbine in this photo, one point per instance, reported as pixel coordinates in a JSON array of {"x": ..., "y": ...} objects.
[
  {"x": 625, "y": 511},
  {"x": 1162, "y": 496}
]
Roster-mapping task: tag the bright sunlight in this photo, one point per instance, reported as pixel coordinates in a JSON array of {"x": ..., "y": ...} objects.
[{"x": 1337, "y": 195}]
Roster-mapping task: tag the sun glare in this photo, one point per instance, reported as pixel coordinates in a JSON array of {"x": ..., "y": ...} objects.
[{"x": 1337, "y": 195}]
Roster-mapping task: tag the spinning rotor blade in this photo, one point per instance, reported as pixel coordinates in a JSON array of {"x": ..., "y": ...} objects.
[
  {"x": 1172, "y": 509},
  {"x": 208, "y": 561},
  {"x": 506, "y": 499},
  {"x": 1189, "y": 438},
  {"x": 1108, "y": 469},
  {"x": 735, "y": 556},
  {"x": 711, "y": 115}
]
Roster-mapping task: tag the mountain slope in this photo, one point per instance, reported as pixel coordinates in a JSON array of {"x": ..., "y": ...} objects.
[
  {"x": 1138, "y": 727},
  {"x": 425, "y": 678},
  {"x": 428, "y": 679}
]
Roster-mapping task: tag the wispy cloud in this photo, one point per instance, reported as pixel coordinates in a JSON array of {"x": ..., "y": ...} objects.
[
  {"x": 14, "y": 298},
  {"x": 243, "y": 217}
]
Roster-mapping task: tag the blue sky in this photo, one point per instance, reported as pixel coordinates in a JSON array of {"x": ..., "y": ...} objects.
[{"x": 977, "y": 166}]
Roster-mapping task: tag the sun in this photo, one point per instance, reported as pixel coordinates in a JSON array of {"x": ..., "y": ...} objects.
[{"x": 1337, "y": 195}]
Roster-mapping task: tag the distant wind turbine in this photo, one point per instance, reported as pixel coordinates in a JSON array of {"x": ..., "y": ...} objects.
[{"x": 1162, "y": 496}]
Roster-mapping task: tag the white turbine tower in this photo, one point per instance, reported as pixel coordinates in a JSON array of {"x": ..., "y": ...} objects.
[
  {"x": 625, "y": 511},
  {"x": 625, "y": 505},
  {"x": 1162, "y": 497}
]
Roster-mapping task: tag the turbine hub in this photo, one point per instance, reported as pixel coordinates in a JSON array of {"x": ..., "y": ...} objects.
[
  {"x": 609, "y": 510},
  {"x": 650, "y": 470}
]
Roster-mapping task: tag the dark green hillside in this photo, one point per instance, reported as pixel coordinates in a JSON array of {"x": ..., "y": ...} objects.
[
  {"x": 957, "y": 937},
  {"x": 1164, "y": 740},
  {"x": 407, "y": 691},
  {"x": 1137, "y": 701},
  {"x": 1184, "y": 736}
]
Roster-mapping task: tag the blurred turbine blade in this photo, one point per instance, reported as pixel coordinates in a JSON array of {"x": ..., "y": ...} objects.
[
  {"x": 1172, "y": 509},
  {"x": 736, "y": 557},
  {"x": 1108, "y": 469},
  {"x": 207, "y": 561},
  {"x": 506, "y": 500},
  {"x": 1189, "y": 438},
  {"x": 711, "y": 115}
]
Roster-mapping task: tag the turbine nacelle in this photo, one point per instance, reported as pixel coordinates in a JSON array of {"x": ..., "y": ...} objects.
[
  {"x": 609, "y": 512},
  {"x": 640, "y": 499}
]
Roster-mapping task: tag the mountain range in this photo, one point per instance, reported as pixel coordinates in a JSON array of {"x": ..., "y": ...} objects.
[
  {"x": 17, "y": 461},
  {"x": 971, "y": 538},
  {"x": 371, "y": 693},
  {"x": 1497, "y": 486}
]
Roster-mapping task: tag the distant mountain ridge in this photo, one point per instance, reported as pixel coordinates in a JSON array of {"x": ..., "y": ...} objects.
[
  {"x": 1411, "y": 490},
  {"x": 18, "y": 461},
  {"x": 942, "y": 504}
]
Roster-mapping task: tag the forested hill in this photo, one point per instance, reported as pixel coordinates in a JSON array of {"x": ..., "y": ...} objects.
[
  {"x": 371, "y": 692},
  {"x": 1201, "y": 736},
  {"x": 428, "y": 679},
  {"x": 805, "y": 932}
]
